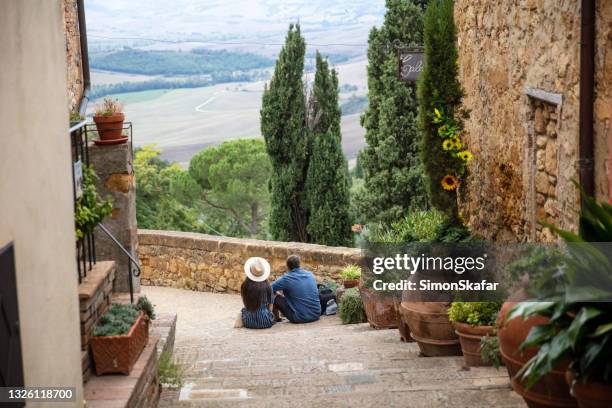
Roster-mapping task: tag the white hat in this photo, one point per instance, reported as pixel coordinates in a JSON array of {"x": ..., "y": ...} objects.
[{"x": 257, "y": 269}]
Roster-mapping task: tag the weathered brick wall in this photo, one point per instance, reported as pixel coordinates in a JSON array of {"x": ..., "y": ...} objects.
[
  {"x": 211, "y": 263},
  {"x": 73, "y": 54},
  {"x": 505, "y": 47}
]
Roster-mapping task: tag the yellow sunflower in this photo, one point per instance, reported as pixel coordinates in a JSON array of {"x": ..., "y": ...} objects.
[
  {"x": 457, "y": 143},
  {"x": 447, "y": 144},
  {"x": 465, "y": 155},
  {"x": 449, "y": 182}
]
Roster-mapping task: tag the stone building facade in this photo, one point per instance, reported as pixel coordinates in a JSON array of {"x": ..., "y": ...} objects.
[
  {"x": 519, "y": 65},
  {"x": 74, "y": 69}
]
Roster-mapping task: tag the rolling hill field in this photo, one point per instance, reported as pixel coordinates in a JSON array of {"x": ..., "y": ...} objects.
[{"x": 183, "y": 121}]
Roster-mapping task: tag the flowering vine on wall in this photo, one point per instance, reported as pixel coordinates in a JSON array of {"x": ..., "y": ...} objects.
[{"x": 449, "y": 130}]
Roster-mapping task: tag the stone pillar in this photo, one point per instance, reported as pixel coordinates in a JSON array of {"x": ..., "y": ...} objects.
[{"x": 113, "y": 166}]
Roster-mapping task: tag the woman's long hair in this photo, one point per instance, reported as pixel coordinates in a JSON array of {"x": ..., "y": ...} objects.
[{"x": 255, "y": 294}]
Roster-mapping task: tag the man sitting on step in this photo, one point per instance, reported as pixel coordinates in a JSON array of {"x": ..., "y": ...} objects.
[{"x": 299, "y": 301}]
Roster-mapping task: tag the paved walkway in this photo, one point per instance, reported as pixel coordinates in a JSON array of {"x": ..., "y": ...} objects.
[{"x": 322, "y": 364}]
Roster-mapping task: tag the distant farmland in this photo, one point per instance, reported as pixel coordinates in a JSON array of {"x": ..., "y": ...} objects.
[{"x": 183, "y": 121}]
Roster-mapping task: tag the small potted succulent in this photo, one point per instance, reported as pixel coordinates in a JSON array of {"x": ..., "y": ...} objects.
[
  {"x": 351, "y": 275},
  {"x": 120, "y": 336},
  {"x": 473, "y": 321},
  {"x": 109, "y": 119}
]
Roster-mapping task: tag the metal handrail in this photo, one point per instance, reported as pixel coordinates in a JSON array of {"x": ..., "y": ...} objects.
[{"x": 135, "y": 273}]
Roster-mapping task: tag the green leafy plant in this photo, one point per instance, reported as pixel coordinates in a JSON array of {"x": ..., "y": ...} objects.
[
  {"x": 75, "y": 117},
  {"x": 417, "y": 226},
  {"x": 450, "y": 232},
  {"x": 146, "y": 306},
  {"x": 474, "y": 313},
  {"x": 541, "y": 264},
  {"x": 89, "y": 210},
  {"x": 108, "y": 107},
  {"x": 351, "y": 272},
  {"x": 117, "y": 321},
  {"x": 171, "y": 372},
  {"x": 351, "y": 307},
  {"x": 579, "y": 324},
  {"x": 489, "y": 350}
]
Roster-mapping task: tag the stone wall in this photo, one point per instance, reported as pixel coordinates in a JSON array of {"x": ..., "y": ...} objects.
[
  {"x": 519, "y": 65},
  {"x": 212, "y": 263},
  {"x": 74, "y": 69}
]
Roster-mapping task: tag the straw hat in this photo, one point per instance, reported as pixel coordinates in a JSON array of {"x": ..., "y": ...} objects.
[{"x": 257, "y": 269}]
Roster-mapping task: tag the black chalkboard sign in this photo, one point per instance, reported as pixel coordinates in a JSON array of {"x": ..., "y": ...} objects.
[{"x": 410, "y": 64}]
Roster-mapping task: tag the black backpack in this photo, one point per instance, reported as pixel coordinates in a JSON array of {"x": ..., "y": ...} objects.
[{"x": 325, "y": 295}]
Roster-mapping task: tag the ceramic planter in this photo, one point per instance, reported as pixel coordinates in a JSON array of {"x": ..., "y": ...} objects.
[
  {"x": 379, "y": 308},
  {"x": 117, "y": 354},
  {"x": 430, "y": 328},
  {"x": 350, "y": 283},
  {"x": 589, "y": 394},
  {"x": 469, "y": 337},
  {"x": 110, "y": 128},
  {"x": 550, "y": 391}
]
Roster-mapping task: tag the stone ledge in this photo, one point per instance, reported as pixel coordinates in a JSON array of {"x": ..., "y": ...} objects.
[
  {"x": 192, "y": 240},
  {"x": 90, "y": 285}
]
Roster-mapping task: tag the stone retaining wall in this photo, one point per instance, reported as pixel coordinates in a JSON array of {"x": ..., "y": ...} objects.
[{"x": 215, "y": 264}]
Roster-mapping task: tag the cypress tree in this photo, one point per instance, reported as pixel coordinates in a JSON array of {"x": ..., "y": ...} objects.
[
  {"x": 327, "y": 184},
  {"x": 439, "y": 89},
  {"x": 394, "y": 179},
  {"x": 283, "y": 123}
]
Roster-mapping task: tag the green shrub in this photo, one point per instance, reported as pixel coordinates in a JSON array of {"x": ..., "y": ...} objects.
[
  {"x": 474, "y": 313},
  {"x": 171, "y": 372},
  {"x": 351, "y": 307},
  {"x": 351, "y": 272},
  {"x": 419, "y": 226},
  {"x": 146, "y": 306},
  {"x": 489, "y": 350},
  {"x": 117, "y": 321}
]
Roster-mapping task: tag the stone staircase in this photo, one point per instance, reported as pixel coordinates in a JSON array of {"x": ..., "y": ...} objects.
[{"x": 325, "y": 364}]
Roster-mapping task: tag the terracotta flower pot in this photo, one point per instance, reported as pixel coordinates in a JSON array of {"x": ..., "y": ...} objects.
[
  {"x": 110, "y": 127},
  {"x": 117, "y": 354},
  {"x": 404, "y": 330},
  {"x": 430, "y": 328},
  {"x": 379, "y": 308},
  {"x": 469, "y": 337},
  {"x": 589, "y": 394},
  {"x": 552, "y": 389},
  {"x": 350, "y": 283}
]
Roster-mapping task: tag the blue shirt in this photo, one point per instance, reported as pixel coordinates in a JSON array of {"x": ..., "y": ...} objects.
[{"x": 300, "y": 290}]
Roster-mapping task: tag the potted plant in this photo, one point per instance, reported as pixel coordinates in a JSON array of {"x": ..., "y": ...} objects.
[
  {"x": 578, "y": 312},
  {"x": 120, "y": 336},
  {"x": 89, "y": 210},
  {"x": 350, "y": 276},
  {"x": 109, "y": 122},
  {"x": 551, "y": 390},
  {"x": 473, "y": 321},
  {"x": 351, "y": 308}
]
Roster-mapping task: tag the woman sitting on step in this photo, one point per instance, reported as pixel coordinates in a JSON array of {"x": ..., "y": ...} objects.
[{"x": 256, "y": 296}]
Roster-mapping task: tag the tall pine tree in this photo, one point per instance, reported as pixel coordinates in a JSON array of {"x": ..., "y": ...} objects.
[
  {"x": 327, "y": 184},
  {"x": 283, "y": 125},
  {"x": 394, "y": 179},
  {"x": 439, "y": 88}
]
